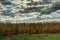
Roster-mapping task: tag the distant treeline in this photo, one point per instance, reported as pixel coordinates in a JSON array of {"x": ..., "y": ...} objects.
[{"x": 29, "y": 28}]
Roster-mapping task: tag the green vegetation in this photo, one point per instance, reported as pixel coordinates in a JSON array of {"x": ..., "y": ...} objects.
[{"x": 31, "y": 37}]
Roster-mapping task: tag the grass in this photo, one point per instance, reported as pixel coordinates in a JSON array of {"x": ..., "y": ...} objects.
[
  {"x": 32, "y": 37},
  {"x": 29, "y": 28}
]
